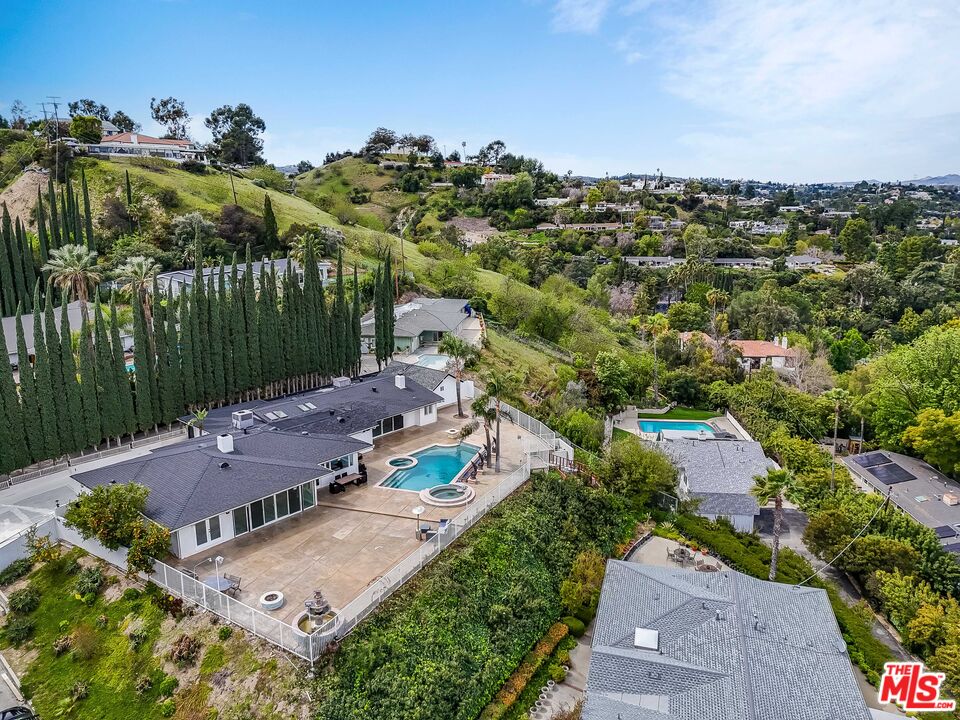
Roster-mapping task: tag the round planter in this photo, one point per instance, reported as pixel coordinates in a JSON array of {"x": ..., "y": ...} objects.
[{"x": 272, "y": 600}]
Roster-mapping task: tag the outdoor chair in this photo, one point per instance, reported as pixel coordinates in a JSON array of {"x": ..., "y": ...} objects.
[
  {"x": 443, "y": 526},
  {"x": 189, "y": 573},
  {"x": 234, "y": 588}
]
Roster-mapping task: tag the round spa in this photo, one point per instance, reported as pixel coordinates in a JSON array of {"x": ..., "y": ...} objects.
[
  {"x": 450, "y": 495},
  {"x": 402, "y": 462}
]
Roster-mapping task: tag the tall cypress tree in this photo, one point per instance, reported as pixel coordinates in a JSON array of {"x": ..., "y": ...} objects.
[
  {"x": 122, "y": 377},
  {"x": 223, "y": 310},
  {"x": 196, "y": 346},
  {"x": 238, "y": 332},
  {"x": 266, "y": 304},
  {"x": 76, "y": 418},
  {"x": 71, "y": 207},
  {"x": 202, "y": 340},
  {"x": 51, "y": 338},
  {"x": 186, "y": 351},
  {"x": 143, "y": 366},
  {"x": 66, "y": 221},
  {"x": 26, "y": 254},
  {"x": 8, "y": 289},
  {"x": 158, "y": 355},
  {"x": 250, "y": 321},
  {"x": 271, "y": 234},
  {"x": 55, "y": 237},
  {"x": 32, "y": 425},
  {"x": 388, "y": 295},
  {"x": 47, "y": 402},
  {"x": 356, "y": 316},
  {"x": 93, "y": 422},
  {"x": 77, "y": 222},
  {"x": 42, "y": 237},
  {"x": 88, "y": 217},
  {"x": 217, "y": 388},
  {"x": 14, "y": 452},
  {"x": 378, "y": 323},
  {"x": 341, "y": 322},
  {"x": 108, "y": 397},
  {"x": 312, "y": 360},
  {"x": 173, "y": 402},
  {"x": 12, "y": 240}
]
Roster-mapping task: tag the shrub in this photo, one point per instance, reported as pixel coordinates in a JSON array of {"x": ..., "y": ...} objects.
[
  {"x": 89, "y": 581},
  {"x": 138, "y": 637},
  {"x": 14, "y": 571},
  {"x": 25, "y": 600},
  {"x": 143, "y": 684},
  {"x": 577, "y": 628},
  {"x": 224, "y": 633},
  {"x": 18, "y": 630},
  {"x": 557, "y": 673},
  {"x": 168, "y": 708},
  {"x": 131, "y": 594},
  {"x": 193, "y": 166},
  {"x": 79, "y": 691},
  {"x": 184, "y": 651},
  {"x": 167, "y": 686},
  {"x": 61, "y": 645},
  {"x": 168, "y": 198},
  {"x": 169, "y": 604},
  {"x": 85, "y": 642},
  {"x": 102, "y": 621}
]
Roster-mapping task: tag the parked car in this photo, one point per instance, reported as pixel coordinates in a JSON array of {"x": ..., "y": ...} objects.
[{"x": 18, "y": 712}]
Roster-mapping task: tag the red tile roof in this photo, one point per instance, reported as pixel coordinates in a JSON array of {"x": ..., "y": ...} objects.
[
  {"x": 145, "y": 139},
  {"x": 762, "y": 349}
]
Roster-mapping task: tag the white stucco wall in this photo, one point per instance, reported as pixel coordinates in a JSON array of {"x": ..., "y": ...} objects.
[{"x": 742, "y": 523}]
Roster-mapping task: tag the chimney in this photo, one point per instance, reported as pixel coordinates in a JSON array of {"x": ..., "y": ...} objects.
[
  {"x": 134, "y": 138},
  {"x": 783, "y": 342},
  {"x": 225, "y": 443},
  {"x": 400, "y": 380}
]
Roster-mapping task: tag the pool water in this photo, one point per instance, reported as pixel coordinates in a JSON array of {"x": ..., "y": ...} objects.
[
  {"x": 435, "y": 362},
  {"x": 436, "y": 465},
  {"x": 654, "y": 426}
]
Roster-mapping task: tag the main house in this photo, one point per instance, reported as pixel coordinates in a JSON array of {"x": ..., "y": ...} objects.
[
  {"x": 673, "y": 644},
  {"x": 718, "y": 476},
  {"x": 131, "y": 144},
  {"x": 179, "y": 280},
  {"x": 425, "y": 321},
  {"x": 259, "y": 462}
]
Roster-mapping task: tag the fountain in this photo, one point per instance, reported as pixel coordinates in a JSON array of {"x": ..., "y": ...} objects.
[{"x": 317, "y": 616}]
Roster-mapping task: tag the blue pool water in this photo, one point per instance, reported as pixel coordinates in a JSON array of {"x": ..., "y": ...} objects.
[
  {"x": 653, "y": 426},
  {"x": 436, "y": 362},
  {"x": 437, "y": 465}
]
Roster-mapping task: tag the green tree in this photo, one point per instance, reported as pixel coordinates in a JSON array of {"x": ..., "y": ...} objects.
[
  {"x": 14, "y": 452},
  {"x": 16, "y": 262},
  {"x": 855, "y": 239},
  {"x": 108, "y": 395},
  {"x": 92, "y": 421},
  {"x": 657, "y": 325},
  {"x": 461, "y": 353},
  {"x": 499, "y": 387},
  {"x": 86, "y": 128},
  {"x": 32, "y": 427},
  {"x": 73, "y": 269},
  {"x": 774, "y": 486},
  {"x": 613, "y": 380},
  {"x": 935, "y": 436},
  {"x": 356, "y": 313},
  {"x": 143, "y": 367},
  {"x": 7, "y": 288},
  {"x": 47, "y": 402},
  {"x": 64, "y": 416},
  {"x": 271, "y": 236},
  {"x": 636, "y": 472},
  {"x": 236, "y": 134}
]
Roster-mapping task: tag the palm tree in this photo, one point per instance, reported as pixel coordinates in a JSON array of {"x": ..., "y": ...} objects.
[
  {"x": 461, "y": 352},
  {"x": 73, "y": 269},
  {"x": 656, "y": 325},
  {"x": 498, "y": 386},
  {"x": 485, "y": 413},
  {"x": 716, "y": 299},
  {"x": 137, "y": 275},
  {"x": 841, "y": 398},
  {"x": 197, "y": 418},
  {"x": 773, "y": 486}
]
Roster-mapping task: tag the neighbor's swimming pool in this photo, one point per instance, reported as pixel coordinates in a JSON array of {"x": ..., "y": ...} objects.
[
  {"x": 435, "y": 362},
  {"x": 655, "y": 426},
  {"x": 436, "y": 465}
]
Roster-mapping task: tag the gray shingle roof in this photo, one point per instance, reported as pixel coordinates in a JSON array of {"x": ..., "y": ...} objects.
[
  {"x": 731, "y": 648},
  {"x": 187, "y": 484},
  {"x": 725, "y": 504},
  {"x": 429, "y": 378},
  {"x": 422, "y": 314}
]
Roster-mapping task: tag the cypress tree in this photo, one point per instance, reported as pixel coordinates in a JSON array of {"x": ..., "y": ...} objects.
[
  {"x": 91, "y": 242},
  {"x": 32, "y": 425},
  {"x": 355, "y": 326},
  {"x": 186, "y": 351},
  {"x": 266, "y": 304},
  {"x": 377, "y": 317},
  {"x": 285, "y": 350},
  {"x": 92, "y": 419},
  {"x": 26, "y": 254},
  {"x": 196, "y": 352},
  {"x": 72, "y": 207},
  {"x": 129, "y": 189},
  {"x": 250, "y": 321},
  {"x": 111, "y": 411},
  {"x": 143, "y": 367},
  {"x": 226, "y": 344},
  {"x": 238, "y": 333},
  {"x": 16, "y": 261},
  {"x": 52, "y": 341},
  {"x": 55, "y": 238},
  {"x": 76, "y": 417},
  {"x": 42, "y": 237},
  {"x": 217, "y": 388},
  {"x": 77, "y": 224},
  {"x": 122, "y": 377},
  {"x": 173, "y": 402},
  {"x": 388, "y": 295},
  {"x": 311, "y": 328},
  {"x": 271, "y": 234},
  {"x": 158, "y": 357},
  {"x": 14, "y": 452},
  {"x": 66, "y": 220},
  {"x": 46, "y": 400},
  {"x": 202, "y": 340},
  {"x": 7, "y": 287},
  {"x": 342, "y": 329}
]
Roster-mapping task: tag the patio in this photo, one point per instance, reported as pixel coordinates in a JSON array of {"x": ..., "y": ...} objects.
[{"x": 350, "y": 539}]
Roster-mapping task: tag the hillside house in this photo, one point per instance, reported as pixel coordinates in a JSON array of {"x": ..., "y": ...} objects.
[
  {"x": 424, "y": 321},
  {"x": 127, "y": 144}
]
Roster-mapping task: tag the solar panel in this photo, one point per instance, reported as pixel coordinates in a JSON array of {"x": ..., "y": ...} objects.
[
  {"x": 871, "y": 459},
  {"x": 891, "y": 474},
  {"x": 953, "y": 547},
  {"x": 946, "y": 531}
]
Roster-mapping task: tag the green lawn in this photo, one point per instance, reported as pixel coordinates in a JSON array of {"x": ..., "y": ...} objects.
[
  {"x": 681, "y": 413},
  {"x": 621, "y": 434}
]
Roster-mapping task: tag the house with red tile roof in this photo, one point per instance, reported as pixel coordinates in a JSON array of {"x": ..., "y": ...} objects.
[
  {"x": 131, "y": 144},
  {"x": 755, "y": 353}
]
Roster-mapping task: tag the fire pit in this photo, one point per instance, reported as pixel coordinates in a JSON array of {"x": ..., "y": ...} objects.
[{"x": 272, "y": 600}]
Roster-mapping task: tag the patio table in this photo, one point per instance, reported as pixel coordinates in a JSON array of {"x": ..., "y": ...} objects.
[{"x": 217, "y": 582}]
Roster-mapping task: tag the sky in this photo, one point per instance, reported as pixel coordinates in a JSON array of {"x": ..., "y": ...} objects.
[{"x": 799, "y": 91}]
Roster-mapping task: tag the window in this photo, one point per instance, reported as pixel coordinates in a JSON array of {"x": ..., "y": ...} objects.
[
  {"x": 240, "y": 524},
  {"x": 311, "y": 405},
  {"x": 214, "y": 527},
  {"x": 207, "y": 530},
  {"x": 293, "y": 495},
  {"x": 256, "y": 515},
  {"x": 282, "y": 507},
  {"x": 269, "y": 510},
  {"x": 428, "y": 410},
  {"x": 201, "y": 529},
  {"x": 306, "y": 495},
  {"x": 271, "y": 416}
]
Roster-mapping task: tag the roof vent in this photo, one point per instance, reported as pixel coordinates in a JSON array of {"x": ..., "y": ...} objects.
[
  {"x": 400, "y": 381},
  {"x": 374, "y": 388},
  {"x": 304, "y": 432},
  {"x": 224, "y": 465},
  {"x": 646, "y": 638},
  {"x": 225, "y": 443},
  {"x": 332, "y": 411},
  {"x": 341, "y": 419}
]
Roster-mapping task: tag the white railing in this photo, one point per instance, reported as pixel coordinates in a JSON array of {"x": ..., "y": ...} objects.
[{"x": 556, "y": 443}]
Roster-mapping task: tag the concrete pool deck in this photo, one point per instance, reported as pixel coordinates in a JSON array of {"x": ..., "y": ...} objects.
[
  {"x": 629, "y": 421},
  {"x": 352, "y": 538}
]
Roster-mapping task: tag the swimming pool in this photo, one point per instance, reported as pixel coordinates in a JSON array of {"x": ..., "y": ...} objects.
[
  {"x": 436, "y": 465},
  {"x": 655, "y": 426},
  {"x": 435, "y": 362}
]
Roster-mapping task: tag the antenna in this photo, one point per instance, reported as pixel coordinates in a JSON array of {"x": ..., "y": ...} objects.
[{"x": 54, "y": 100}]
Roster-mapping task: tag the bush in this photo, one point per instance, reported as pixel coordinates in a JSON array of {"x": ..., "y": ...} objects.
[
  {"x": 131, "y": 594},
  {"x": 25, "y": 600},
  {"x": 184, "y": 651},
  {"x": 138, "y": 637},
  {"x": 61, "y": 645},
  {"x": 79, "y": 691},
  {"x": 18, "y": 630},
  {"x": 167, "y": 686},
  {"x": 193, "y": 166},
  {"x": 168, "y": 708},
  {"x": 89, "y": 581},
  {"x": 85, "y": 642},
  {"x": 224, "y": 633},
  {"x": 14, "y": 571},
  {"x": 143, "y": 684},
  {"x": 557, "y": 673},
  {"x": 168, "y": 198},
  {"x": 577, "y": 628}
]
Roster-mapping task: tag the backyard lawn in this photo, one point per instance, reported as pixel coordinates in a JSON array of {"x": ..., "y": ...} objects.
[{"x": 681, "y": 413}]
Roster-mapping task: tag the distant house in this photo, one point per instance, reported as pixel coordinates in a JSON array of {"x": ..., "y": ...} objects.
[
  {"x": 719, "y": 475},
  {"x": 490, "y": 179},
  {"x": 424, "y": 321},
  {"x": 747, "y": 263},
  {"x": 803, "y": 262},
  {"x": 128, "y": 144},
  {"x": 760, "y": 353},
  {"x": 791, "y": 208},
  {"x": 550, "y": 201},
  {"x": 672, "y": 644},
  {"x": 586, "y": 227},
  {"x": 108, "y": 129},
  {"x": 180, "y": 280},
  {"x": 653, "y": 261},
  {"x": 74, "y": 317}
]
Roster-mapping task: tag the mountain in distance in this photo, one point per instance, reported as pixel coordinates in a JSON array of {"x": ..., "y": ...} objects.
[{"x": 951, "y": 179}]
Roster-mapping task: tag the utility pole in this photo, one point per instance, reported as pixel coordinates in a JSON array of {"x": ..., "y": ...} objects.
[{"x": 54, "y": 100}]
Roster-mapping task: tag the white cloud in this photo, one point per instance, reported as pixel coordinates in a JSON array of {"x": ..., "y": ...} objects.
[{"x": 579, "y": 16}]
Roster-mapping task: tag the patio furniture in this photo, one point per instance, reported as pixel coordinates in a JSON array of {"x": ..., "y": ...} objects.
[
  {"x": 217, "y": 582},
  {"x": 425, "y": 532},
  {"x": 682, "y": 555},
  {"x": 189, "y": 573},
  {"x": 443, "y": 526},
  {"x": 234, "y": 589}
]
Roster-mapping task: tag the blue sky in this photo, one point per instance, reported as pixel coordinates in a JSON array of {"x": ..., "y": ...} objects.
[{"x": 797, "y": 91}]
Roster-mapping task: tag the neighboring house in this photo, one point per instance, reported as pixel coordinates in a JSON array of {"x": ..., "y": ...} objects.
[
  {"x": 108, "y": 129},
  {"x": 671, "y": 644},
  {"x": 74, "y": 317},
  {"x": 791, "y": 208},
  {"x": 180, "y": 280},
  {"x": 140, "y": 145},
  {"x": 437, "y": 381},
  {"x": 260, "y": 462},
  {"x": 719, "y": 474},
  {"x": 654, "y": 261},
  {"x": 760, "y": 353},
  {"x": 587, "y": 227},
  {"x": 836, "y": 215},
  {"x": 490, "y": 179},
  {"x": 550, "y": 202},
  {"x": 803, "y": 262},
  {"x": 746, "y": 263},
  {"x": 424, "y": 321}
]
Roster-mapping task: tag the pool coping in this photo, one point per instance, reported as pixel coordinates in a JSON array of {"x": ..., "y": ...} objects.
[
  {"x": 694, "y": 434},
  {"x": 427, "y": 447}
]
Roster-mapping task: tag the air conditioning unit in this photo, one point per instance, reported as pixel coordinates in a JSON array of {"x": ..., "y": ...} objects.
[
  {"x": 242, "y": 419},
  {"x": 340, "y": 382},
  {"x": 951, "y": 499}
]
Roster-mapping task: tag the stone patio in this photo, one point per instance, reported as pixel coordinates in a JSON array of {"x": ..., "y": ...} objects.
[{"x": 352, "y": 538}]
